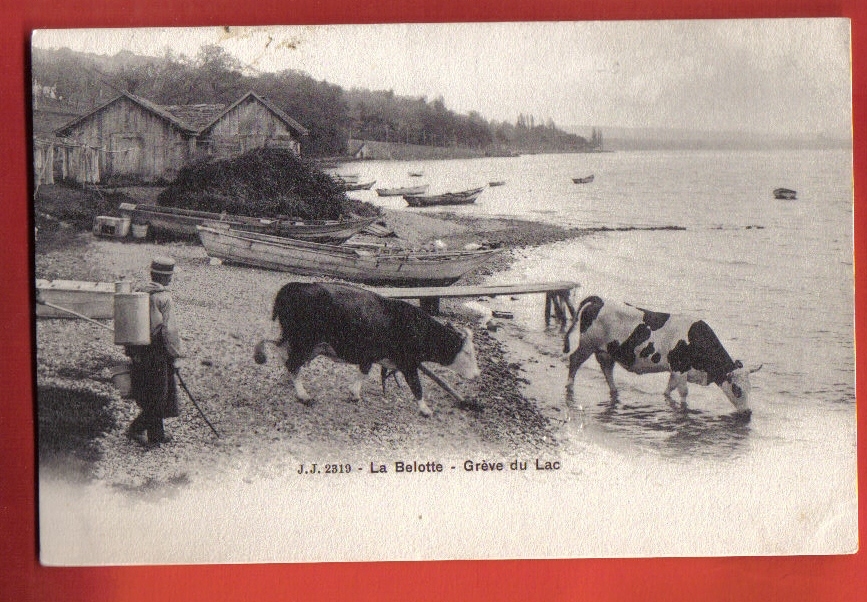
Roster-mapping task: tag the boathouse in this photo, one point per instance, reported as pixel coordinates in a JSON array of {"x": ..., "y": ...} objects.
[{"x": 132, "y": 137}]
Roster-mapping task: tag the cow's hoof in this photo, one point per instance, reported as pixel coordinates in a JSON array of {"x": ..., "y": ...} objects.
[
  {"x": 425, "y": 411},
  {"x": 306, "y": 399}
]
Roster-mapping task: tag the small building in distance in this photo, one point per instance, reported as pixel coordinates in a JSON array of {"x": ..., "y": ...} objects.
[{"x": 130, "y": 137}]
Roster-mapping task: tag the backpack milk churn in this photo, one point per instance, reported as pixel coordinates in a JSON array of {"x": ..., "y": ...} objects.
[{"x": 132, "y": 317}]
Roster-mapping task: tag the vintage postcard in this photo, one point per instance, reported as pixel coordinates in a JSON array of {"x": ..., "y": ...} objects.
[{"x": 444, "y": 291}]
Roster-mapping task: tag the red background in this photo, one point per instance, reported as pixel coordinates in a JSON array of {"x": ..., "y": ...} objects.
[{"x": 22, "y": 578}]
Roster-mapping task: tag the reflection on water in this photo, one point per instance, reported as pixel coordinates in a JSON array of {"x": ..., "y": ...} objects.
[{"x": 668, "y": 428}]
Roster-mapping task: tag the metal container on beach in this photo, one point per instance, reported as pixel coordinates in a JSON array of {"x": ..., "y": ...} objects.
[{"x": 132, "y": 319}]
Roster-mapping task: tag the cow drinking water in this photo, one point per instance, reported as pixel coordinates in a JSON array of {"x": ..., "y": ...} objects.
[
  {"x": 359, "y": 327},
  {"x": 644, "y": 341}
]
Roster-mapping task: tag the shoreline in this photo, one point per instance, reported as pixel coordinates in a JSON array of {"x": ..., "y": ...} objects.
[{"x": 223, "y": 310}]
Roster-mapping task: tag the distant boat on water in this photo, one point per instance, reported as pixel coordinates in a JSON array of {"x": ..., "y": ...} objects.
[
  {"x": 585, "y": 180},
  {"x": 497, "y": 183},
  {"x": 416, "y": 174},
  {"x": 785, "y": 194}
]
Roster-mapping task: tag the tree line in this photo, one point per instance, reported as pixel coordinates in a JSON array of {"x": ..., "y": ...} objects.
[{"x": 331, "y": 113}]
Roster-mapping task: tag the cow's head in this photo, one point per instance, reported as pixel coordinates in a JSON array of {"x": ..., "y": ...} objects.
[
  {"x": 465, "y": 361},
  {"x": 736, "y": 387}
]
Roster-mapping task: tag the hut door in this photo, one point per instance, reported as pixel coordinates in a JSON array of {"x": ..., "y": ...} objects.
[{"x": 125, "y": 157}]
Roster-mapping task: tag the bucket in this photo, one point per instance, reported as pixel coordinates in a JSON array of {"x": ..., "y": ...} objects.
[
  {"x": 132, "y": 319},
  {"x": 123, "y": 286},
  {"x": 140, "y": 231},
  {"x": 120, "y": 378}
]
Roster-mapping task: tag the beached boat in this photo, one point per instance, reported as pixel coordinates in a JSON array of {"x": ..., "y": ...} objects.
[
  {"x": 371, "y": 266},
  {"x": 182, "y": 223},
  {"x": 420, "y": 189},
  {"x": 449, "y": 198},
  {"x": 497, "y": 183},
  {"x": 358, "y": 185},
  {"x": 785, "y": 194},
  {"x": 92, "y": 299},
  {"x": 585, "y": 180}
]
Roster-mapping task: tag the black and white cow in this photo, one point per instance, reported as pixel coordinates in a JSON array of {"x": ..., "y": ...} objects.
[
  {"x": 644, "y": 341},
  {"x": 359, "y": 327}
]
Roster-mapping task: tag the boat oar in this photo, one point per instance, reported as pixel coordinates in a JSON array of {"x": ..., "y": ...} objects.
[
  {"x": 74, "y": 313},
  {"x": 190, "y": 395},
  {"x": 443, "y": 384}
]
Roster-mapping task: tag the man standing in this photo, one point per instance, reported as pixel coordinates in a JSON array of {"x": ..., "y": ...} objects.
[{"x": 153, "y": 372}]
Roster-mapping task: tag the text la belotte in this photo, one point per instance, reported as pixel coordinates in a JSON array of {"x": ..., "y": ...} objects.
[{"x": 430, "y": 467}]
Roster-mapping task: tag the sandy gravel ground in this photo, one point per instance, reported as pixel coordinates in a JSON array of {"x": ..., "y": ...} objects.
[{"x": 223, "y": 310}]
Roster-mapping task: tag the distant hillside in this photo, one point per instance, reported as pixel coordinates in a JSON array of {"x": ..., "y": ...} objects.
[
  {"x": 77, "y": 82},
  {"x": 618, "y": 138}
]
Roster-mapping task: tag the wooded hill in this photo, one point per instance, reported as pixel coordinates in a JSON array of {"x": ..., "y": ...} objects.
[{"x": 82, "y": 81}]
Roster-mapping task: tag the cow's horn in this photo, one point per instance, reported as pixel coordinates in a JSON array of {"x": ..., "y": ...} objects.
[{"x": 756, "y": 369}]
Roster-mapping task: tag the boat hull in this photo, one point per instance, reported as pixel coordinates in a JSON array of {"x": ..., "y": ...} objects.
[
  {"x": 466, "y": 197},
  {"x": 182, "y": 223},
  {"x": 402, "y": 191},
  {"x": 347, "y": 263},
  {"x": 785, "y": 194}
]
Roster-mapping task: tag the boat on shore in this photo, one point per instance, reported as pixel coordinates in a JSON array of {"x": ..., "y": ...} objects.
[
  {"x": 356, "y": 264},
  {"x": 786, "y": 194},
  {"x": 358, "y": 185},
  {"x": 182, "y": 223},
  {"x": 94, "y": 300},
  {"x": 420, "y": 189},
  {"x": 584, "y": 180},
  {"x": 464, "y": 197}
]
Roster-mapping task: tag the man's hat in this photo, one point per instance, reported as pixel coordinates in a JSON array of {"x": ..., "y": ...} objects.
[{"x": 163, "y": 265}]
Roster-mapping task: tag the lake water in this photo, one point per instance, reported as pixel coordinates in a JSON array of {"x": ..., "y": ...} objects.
[{"x": 774, "y": 279}]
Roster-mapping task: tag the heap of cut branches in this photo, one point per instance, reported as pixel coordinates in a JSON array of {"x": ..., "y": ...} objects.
[{"x": 265, "y": 182}]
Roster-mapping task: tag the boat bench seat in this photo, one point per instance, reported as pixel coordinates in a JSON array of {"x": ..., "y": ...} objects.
[{"x": 557, "y": 295}]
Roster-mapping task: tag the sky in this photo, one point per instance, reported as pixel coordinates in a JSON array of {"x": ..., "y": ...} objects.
[{"x": 777, "y": 76}]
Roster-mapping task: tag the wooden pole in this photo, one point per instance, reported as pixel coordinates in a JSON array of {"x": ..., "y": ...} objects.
[
  {"x": 443, "y": 384},
  {"x": 75, "y": 313}
]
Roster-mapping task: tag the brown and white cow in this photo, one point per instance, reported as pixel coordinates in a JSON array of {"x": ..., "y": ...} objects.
[
  {"x": 645, "y": 341},
  {"x": 356, "y": 326}
]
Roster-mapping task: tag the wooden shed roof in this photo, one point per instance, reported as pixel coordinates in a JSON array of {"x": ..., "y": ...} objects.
[{"x": 191, "y": 119}]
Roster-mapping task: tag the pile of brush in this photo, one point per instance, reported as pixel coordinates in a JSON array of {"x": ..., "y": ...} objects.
[{"x": 266, "y": 182}]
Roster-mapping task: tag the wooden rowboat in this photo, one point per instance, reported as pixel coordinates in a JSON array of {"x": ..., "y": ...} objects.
[
  {"x": 92, "y": 299},
  {"x": 585, "y": 180},
  {"x": 348, "y": 186},
  {"x": 420, "y": 189},
  {"x": 465, "y": 197},
  {"x": 371, "y": 266},
  {"x": 785, "y": 194},
  {"x": 182, "y": 223}
]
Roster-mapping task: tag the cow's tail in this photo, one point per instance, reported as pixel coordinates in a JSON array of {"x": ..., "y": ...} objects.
[{"x": 572, "y": 339}]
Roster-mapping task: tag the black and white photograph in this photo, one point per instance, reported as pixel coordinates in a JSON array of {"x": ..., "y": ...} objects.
[{"x": 453, "y": 291}]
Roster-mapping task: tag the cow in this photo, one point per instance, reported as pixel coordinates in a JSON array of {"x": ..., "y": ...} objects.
[
  {"x": 359, "y": 327},
  {"x": 645, "y": 341}
]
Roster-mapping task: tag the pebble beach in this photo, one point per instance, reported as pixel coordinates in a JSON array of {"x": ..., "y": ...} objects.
[{"x": 223, "y": 311}]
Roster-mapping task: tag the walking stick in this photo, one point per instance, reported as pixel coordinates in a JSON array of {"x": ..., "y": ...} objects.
[{"x": 190, "y": 395}]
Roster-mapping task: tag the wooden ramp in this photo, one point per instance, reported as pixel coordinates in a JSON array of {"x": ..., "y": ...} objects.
[{"x": 556, "y": 295}]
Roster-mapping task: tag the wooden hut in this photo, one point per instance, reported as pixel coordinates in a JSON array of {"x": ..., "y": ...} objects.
[{"x": 130, "y": 136}]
